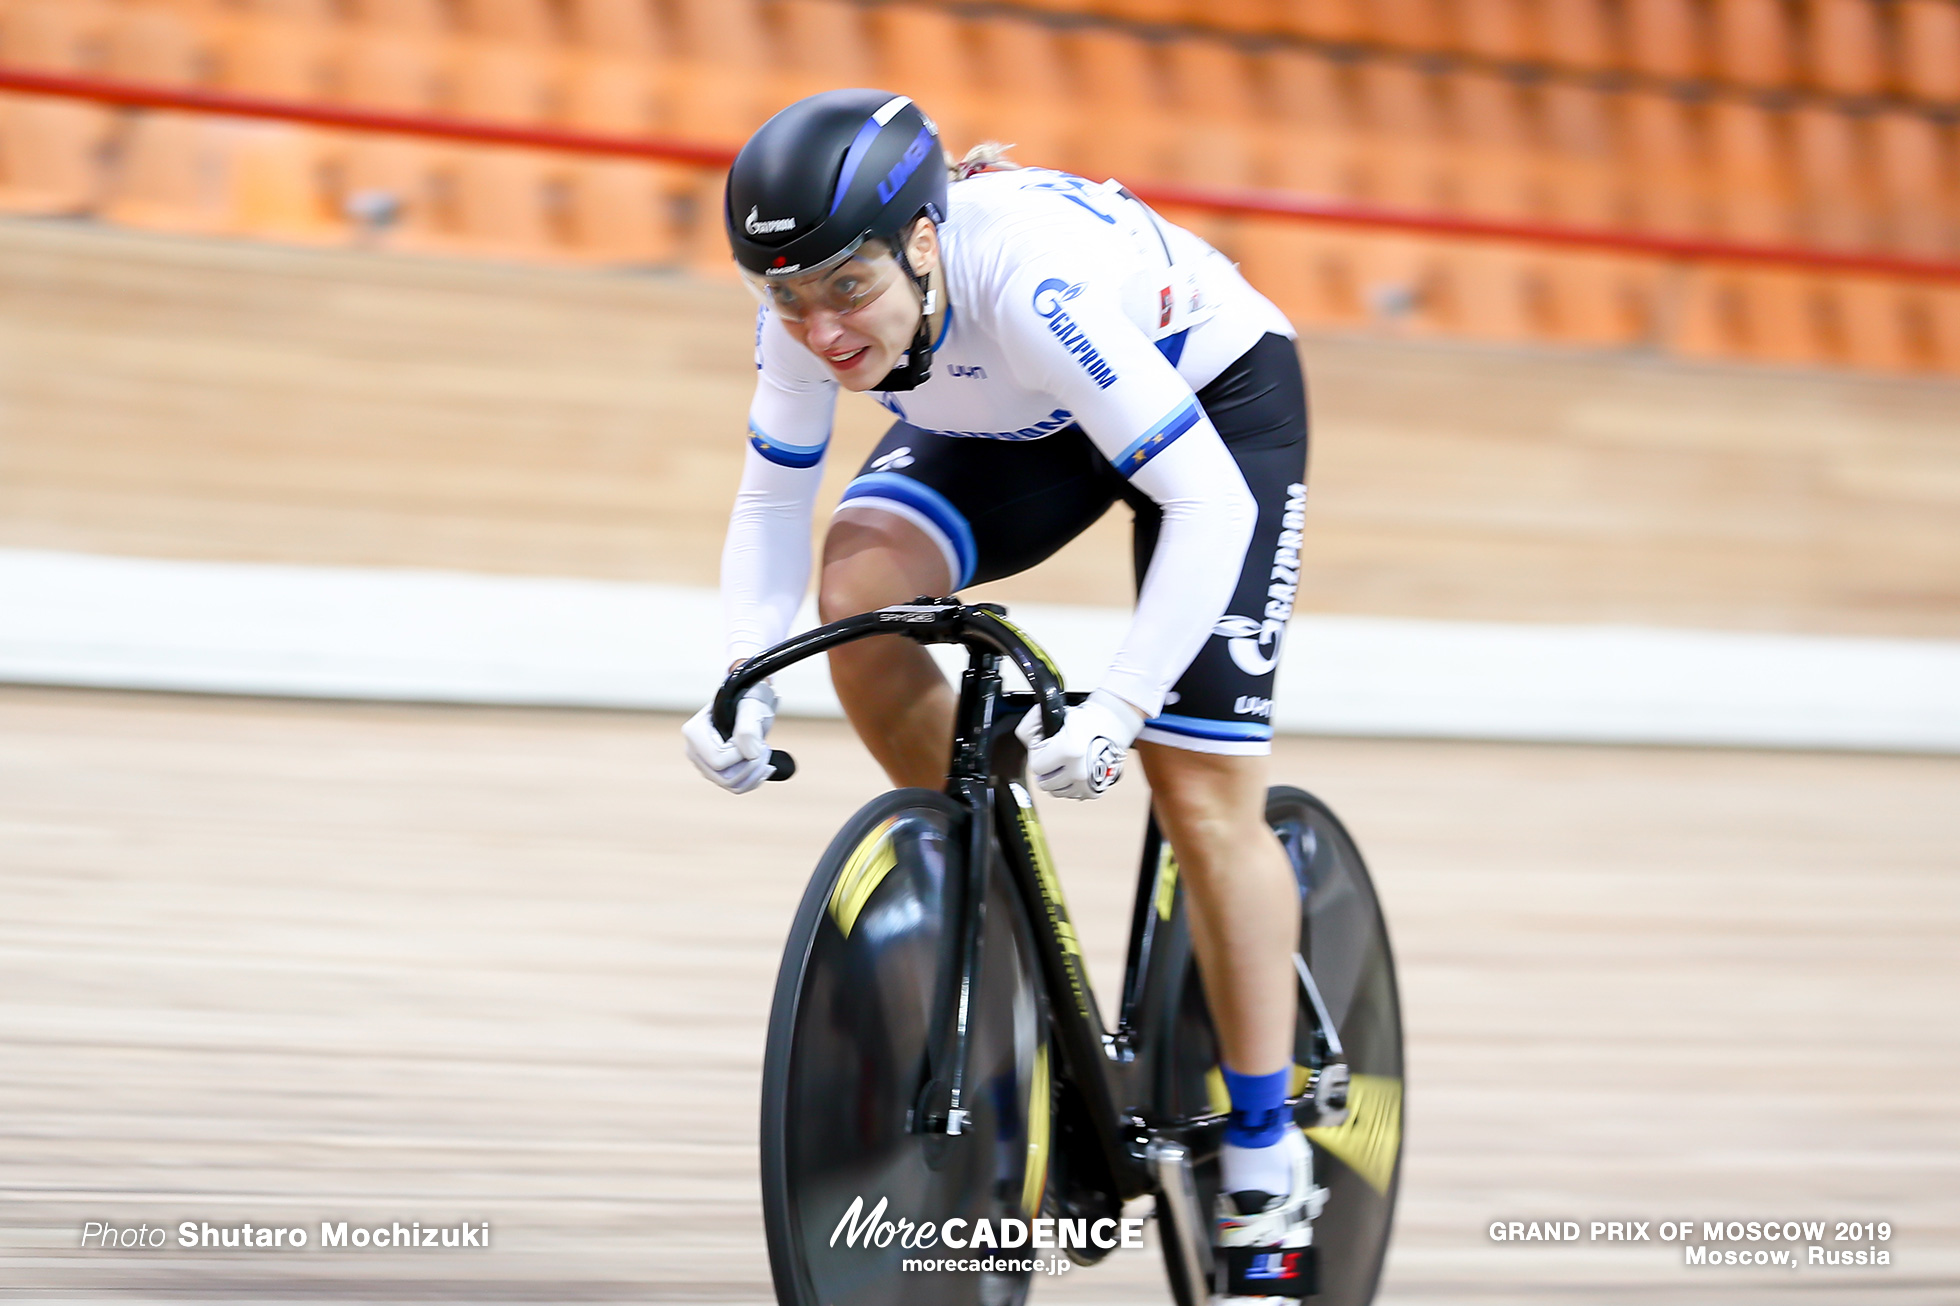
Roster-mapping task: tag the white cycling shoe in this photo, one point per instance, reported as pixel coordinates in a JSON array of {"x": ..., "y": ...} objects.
[{"x": 1262, "y": 1243}]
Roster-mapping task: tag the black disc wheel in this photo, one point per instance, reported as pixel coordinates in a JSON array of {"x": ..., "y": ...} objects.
[
  {"x": 850, "y": 1071},
  {"x": 1344, "y": 943}
]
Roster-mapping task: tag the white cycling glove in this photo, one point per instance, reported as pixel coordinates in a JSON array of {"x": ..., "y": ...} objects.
[
  {"x": 740, "y": 762},
  {"x": 1087, "y": 756}
]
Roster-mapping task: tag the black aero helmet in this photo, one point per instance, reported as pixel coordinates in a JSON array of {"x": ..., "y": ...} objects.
[{"x": 828, "y": 173}]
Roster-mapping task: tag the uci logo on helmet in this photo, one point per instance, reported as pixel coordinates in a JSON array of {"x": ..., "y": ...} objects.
[{"x": 756, "y": 225}]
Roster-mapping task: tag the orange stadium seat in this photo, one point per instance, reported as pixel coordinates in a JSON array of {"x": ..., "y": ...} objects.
[
  {"x": 1664, "y": 150},
  {"x": 305, "y": 11},
  {"x": 1750, "y": 163},
  {"x": 722, "y": 89},
  {"x": 1846, "y": 51},
  {"x": 1408, "y": 24},
  {"x": 1916, "y": 171},
  {"x": 425, "y": 16},
  {"x": 1929, "y": 49},
  {"x": 619, "y": 27},
  {"x": 1402, "y": 120},
  {"x": 1495, "y": 29},
  {"x": 500, "y": 201},
  {"x": 1834, "y": 184},
  {"x": 722, "y": 85},
  {"x": 173, "y": 172},
  {"x": 1592, "y": 298},
  {"x": 1753, "y": 41},
  {"x": 1312, "y": 141},
  {"x": 1313, "y": 271},
  {"x": 1140, "y": 11},
  {"x": 277, "y": 57},
  {"x": 1217, "y": 126},
  {"x": 1576, "y": 33},
  {"x": 51, "y": 151},
  {"x": 1121, "y": 96},
  {"x": 287, "y": 177},
  {"x": 284, "y": 184},
  {"x": 391, "y": 182},
  {"x": 1325, "y": 20},
  {"x": 824, "y": 45},
  {"x": 1024, "y": 101},
  {"x": 1665, "y": 38},
  {"x": 1254, "y": 17},
  {"x": 926, "y": 53},
  {"x": 619, "y": 210},
  {"x": 1879, "y": 324},
  {"x": 509, "y": 20},
  {"x": 1730, "y": 312},
  {"x": 1492, "y": 169}
]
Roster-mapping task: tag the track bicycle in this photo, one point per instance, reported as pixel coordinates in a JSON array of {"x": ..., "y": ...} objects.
[{"x": 936, "y": 1053}]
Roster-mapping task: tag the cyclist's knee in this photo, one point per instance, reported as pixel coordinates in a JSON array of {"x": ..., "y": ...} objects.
[
  {"x": 871, "y": 559},
  {"x": 1205, "y": 799}
]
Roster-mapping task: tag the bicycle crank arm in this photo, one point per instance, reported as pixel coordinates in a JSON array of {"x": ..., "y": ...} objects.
[{"x": 1188, "y": 1232}]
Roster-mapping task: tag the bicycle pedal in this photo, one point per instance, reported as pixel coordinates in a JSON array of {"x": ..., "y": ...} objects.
[{"x": 1330, "y": 1095}]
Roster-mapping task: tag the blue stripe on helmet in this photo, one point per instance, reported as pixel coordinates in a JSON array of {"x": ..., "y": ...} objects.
[
  {"x": 1199, "y": 728},
  {"x": 860, "y": 146},
  {"x": 938, "y": 509},
  {"x": 783, "y": 454},
  {"x": 908, "y": 163},
  {"x": 1158, "y": 438}
]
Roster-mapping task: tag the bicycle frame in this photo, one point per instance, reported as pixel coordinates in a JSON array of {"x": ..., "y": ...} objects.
[{"x": 1111, "y": 1069}]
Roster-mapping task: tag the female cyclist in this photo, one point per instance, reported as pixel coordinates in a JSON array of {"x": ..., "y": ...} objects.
[{"x": 1048, "y": 346}]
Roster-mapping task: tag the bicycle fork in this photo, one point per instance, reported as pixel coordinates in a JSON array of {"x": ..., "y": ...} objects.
[{"x": 967, "y": 784}]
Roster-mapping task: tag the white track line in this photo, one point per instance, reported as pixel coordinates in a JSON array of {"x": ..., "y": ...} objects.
[{"x": 373, "y": 633}]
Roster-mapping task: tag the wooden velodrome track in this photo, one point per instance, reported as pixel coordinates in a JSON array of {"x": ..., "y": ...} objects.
[{"x": 284, "y": 962}]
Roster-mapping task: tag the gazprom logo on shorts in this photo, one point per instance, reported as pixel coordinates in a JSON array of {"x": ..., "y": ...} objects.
[
  {"x": 1049, "y": 297},
  {"x": 1254, "y": 642}
]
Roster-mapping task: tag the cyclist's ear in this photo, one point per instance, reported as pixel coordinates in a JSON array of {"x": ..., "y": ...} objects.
[{"x": 922, "y": 247}]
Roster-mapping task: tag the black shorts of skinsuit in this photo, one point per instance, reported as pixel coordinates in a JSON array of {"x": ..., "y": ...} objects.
[{"x": 1000, "y": 506}]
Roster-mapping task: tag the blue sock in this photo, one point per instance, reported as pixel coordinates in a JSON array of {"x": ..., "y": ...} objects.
[{"x": 1259, "y": 1116}]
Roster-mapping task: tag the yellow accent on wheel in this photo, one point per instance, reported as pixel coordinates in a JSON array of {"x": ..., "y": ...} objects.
[
  {"x": 863, "y": 871},
  {"x": 1371, "y": 1137},
  {"x": 1166, "y": 882},
  {"x": 1035, "y": 1182}
]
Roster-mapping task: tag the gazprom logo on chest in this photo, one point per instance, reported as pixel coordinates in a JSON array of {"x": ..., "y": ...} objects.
[{"x": 1049, "y": 297}]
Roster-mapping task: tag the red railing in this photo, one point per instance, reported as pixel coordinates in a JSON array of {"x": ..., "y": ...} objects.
[{"x": 1240, "y": 203}]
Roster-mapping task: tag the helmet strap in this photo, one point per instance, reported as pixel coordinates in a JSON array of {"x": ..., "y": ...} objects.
[{"x": 914, "y": 366}]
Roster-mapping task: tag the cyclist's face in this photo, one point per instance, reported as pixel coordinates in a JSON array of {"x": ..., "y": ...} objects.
[{"x": 858, "y": 318}]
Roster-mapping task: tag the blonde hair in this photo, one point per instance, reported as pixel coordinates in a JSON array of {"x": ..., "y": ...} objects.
[{"x": 987, "y": 156}]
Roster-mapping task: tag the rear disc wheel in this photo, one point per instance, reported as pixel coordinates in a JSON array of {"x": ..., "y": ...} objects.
[{"x": 1344, "y": 941}]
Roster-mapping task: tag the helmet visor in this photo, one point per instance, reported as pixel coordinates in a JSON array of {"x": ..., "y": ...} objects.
[{"x": 851, "y": 280}]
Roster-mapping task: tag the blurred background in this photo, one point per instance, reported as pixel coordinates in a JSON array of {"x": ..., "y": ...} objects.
[{"x": 363, "y": 355}]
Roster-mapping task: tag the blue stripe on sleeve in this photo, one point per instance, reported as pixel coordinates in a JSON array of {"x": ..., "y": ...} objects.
[
  {"x": 1200, "y": 728},
  {"x": 1158, "y": 438},
  {"x": 936, "y": 507},
  {"x": 784, "y": 454}
]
